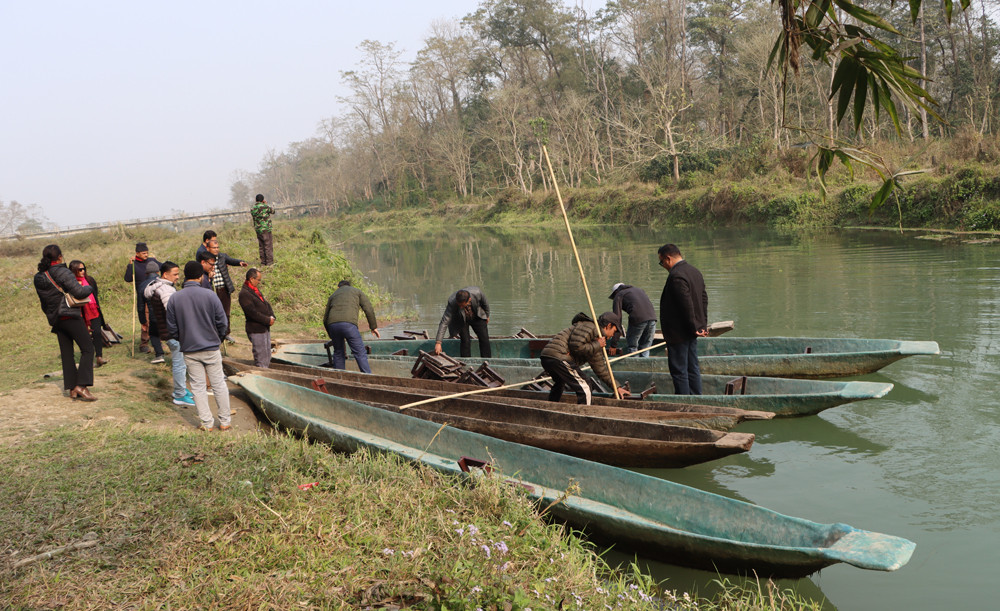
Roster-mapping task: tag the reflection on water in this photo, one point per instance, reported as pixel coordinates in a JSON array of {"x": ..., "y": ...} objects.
[
  {"x": 921, "y": 463},
  {"x": 705, "y": 584}
]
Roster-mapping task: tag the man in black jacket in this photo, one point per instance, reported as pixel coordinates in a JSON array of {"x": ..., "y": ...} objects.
[
  {"x": 467, "y": 308},
  {"x": 260, "y": 317},
  {"x": 221, "y": 282},
  {"x": 138, "y": 266},
  {"x": 684, "y": 318}
]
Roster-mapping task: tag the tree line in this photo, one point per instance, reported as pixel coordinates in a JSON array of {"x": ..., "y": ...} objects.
[{"x": 640, "y": 89}]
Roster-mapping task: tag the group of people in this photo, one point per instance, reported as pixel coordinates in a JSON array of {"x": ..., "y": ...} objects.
[
  {"x": 683, "y": 315},
  {"x": 193, "y": 322}
]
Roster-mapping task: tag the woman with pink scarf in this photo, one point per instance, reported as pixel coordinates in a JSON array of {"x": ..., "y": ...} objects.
[{"x": 91, "y": 311}]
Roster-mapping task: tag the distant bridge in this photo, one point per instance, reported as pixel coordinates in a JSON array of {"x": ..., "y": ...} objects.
[{"x": 177, "y": 223}]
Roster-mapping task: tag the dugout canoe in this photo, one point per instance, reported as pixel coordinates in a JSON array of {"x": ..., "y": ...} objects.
[
  {"x": 623, "y": 443},
  {"x": 795, "y": 357},
  {"x": 698, "y": 416},
  {"x": 667, "y": 521},
  {"x": 783, "y": 396}
]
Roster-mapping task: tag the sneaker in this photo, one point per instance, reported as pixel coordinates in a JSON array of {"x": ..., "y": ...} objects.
[
  {"x": 188, "y": 395},
  {"x": 184, "y": 401},
  {"x": 210, "y": 392},
  {"x": 143, "y": 348},
  {"x": 225, "y": 427},
  {"x": 205, "y": 428},
  {"x": 158, "y": 359}
]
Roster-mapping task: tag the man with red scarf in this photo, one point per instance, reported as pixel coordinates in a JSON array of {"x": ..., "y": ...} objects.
[{"x": 260, "y": 317}]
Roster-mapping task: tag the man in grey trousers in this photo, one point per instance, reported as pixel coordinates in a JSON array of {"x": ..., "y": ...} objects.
[{"x": 195, "y": 317}]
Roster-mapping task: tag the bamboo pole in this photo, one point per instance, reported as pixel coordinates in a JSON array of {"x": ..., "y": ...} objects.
[
  {"x": 579, "y": 265},
  {"x": 590, "y": 303},
  {"x": 479, "y": 391},
  {"x": 135, "y": 300}
]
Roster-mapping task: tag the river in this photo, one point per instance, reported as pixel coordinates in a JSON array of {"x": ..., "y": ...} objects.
[{"x": 922, "y": 463}]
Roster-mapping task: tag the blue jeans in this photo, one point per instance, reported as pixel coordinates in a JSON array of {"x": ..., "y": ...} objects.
[
  {"x": 640, "y": 336},
  {"x": 682, "y": 359},
  {"x": 178, "y": 368},
  {"x": 344, "y": 331}
]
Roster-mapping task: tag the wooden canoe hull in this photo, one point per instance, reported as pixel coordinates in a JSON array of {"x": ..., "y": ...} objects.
[
  {"x": 674, "y": 523},
  {"x": 683, "y": 414},
  {"x": 736, "y": 356},
  {"x": 784, "y": 396},
  {"x": 698, "y": 416},
  {"x": 625, "y": 443}
]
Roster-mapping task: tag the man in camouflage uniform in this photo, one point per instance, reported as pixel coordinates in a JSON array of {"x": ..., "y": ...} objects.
[{"x": 261, "y": 213}]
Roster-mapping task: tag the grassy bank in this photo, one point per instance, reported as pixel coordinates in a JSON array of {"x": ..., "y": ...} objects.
[
  {"x": 959, "y": 190},
  {"x": 306, "y": 271},
  {"x": 193, "y": 521}
]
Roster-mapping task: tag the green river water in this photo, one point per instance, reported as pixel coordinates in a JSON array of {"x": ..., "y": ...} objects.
[{"x": 922, "y": 463}]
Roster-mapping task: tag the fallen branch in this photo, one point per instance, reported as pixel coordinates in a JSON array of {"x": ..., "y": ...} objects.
[{"x": 89, "y": 540}]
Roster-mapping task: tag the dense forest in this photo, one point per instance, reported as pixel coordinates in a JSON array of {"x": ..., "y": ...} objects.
[{"x": 657, "y": 91}]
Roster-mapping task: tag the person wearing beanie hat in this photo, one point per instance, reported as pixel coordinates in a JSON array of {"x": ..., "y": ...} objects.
[
  {"x": 641, "y": 316},
  {"x": 152, "y": 269},
  {"x": 137, "y": 268},
  {"x": 195, "y": 317},
  {"x": 261, "y": 212}
]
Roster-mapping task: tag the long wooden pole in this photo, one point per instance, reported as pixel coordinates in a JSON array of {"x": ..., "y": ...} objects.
[
  {"x": 135, "y": 301},
  {"x": 479, "y": 391},
  {"x": 579, "y": 266}
]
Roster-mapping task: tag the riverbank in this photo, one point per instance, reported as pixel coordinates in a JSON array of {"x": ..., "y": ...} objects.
[{"x": 779, "y": 193}]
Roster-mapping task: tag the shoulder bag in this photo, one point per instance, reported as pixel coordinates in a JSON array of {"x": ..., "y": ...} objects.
[{"x": 71, "y": 301}]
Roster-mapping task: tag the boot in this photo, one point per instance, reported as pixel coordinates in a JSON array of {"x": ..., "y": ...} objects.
[{"x": 82, "y": 393}]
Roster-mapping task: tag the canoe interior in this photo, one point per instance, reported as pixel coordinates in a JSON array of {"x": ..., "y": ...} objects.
[
  {"x": 615, "y": 442},
  {"x": 712, "y": 417}
]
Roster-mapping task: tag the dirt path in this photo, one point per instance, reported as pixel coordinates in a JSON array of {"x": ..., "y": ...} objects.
[{"x": 132, "y": 392}]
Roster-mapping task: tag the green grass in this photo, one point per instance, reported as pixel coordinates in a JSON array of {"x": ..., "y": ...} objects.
[{"x": 195, "y": 520}]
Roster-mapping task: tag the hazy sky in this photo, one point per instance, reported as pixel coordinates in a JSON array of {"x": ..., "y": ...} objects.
[{"x": 113, "y": 110}]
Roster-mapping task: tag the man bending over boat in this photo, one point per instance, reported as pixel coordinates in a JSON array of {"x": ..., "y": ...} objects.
[
  {"x": 341, "y": 322},
  {"x": 641, "y": 316},
  {"x": 467, "y": 308},
  {"x": 576, "y": 346}
]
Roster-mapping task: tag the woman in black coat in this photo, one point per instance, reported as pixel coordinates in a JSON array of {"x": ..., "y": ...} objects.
[
  {"x": 52, "y": 281},
  {"x": 93, "y": 315}
]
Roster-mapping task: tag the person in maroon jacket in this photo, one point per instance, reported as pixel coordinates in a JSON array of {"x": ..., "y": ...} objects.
[{"x": 260, "y": 317}]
